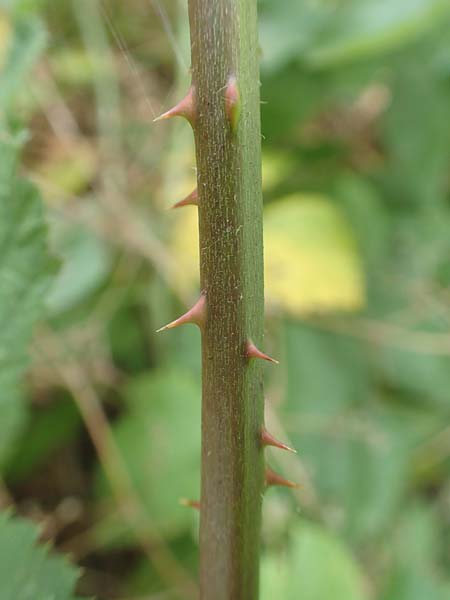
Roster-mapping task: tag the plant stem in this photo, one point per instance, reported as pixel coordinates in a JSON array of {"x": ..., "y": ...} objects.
[{"x": 224, "y": 45}]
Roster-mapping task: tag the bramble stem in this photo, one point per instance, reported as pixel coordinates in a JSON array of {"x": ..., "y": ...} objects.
[{"x": 224, "y": 50}]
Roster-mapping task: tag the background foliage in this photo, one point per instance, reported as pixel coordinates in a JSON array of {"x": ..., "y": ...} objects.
[{"x": 100, "y": 440}]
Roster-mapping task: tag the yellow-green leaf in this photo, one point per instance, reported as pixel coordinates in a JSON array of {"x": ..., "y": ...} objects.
[
  {"x": 312, "y": 264},
  {"x": 5, "y": 38},
  {"x": 311, "y": 258}
]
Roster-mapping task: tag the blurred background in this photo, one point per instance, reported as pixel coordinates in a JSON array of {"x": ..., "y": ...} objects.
[{"x": 103, "y": 439}]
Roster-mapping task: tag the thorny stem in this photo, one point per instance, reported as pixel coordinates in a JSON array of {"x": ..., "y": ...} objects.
[
  {"x": 227, "y": 135},
  {"x": 222, "y": 105}
]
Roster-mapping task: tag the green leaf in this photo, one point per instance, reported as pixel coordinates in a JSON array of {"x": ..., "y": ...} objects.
[
  {"x": 415, "y": 549},
  {"x": 359, "y": 444},
  {"x": 325, "y": 34},
  {"x": 361, "y": 29},
  {"x": 27, "y": 43},
  {"x": 5, "y": 38},
  {"x": 408, "y": 584},
  {"x": 27, "y": 570},
  {"x": 49, "y": 429},
  {"x": 25, "y": 272},
  {"x": 418, "y": 156},
  {"x": 159, "y": 438},
  {"x": 316, "y": 567},
  {"x": 86, "y": 265}
]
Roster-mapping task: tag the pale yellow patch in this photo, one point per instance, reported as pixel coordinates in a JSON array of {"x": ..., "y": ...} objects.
[
  {"x": 275, "y": 168},
  {"x": 5, "y": 38},
  {"x": 312, "y": 264},
  {"x": 184, "y": 246},
  {"x": 66, "y": 171}
]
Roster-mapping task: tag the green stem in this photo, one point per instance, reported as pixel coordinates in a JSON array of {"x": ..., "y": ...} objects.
[{"x": 224, "y": 45}]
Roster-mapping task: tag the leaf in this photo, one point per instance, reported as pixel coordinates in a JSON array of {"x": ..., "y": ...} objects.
[
  {"x": 361, "y": 29},
  {"x": 5, "y": 38},
  {"x": 312, "y": 262},
  {"x": 159, "y": 438},
  {"x": 316, "y": 567},
  {"x": 288, "y": 29},
  {"x": 415, "y": 549},
  {"x": 28, "y": 41},
  {"x": 416, "y": 540},
  {"x": 358, "y": 444},
  {"x": 184, "y": 244},
  {"x": 86, "y": 265},
  {"x": 311, "y": 259},
  {"x": 27, "y": 570},
  {"x": 50, "y": 428},
  {"x": 408, "y": 584},
  {"x": 418, "y": 156},
  {"x": 327, "y": 35},
  {"x": 326, "y": 373},
  {"x": 25, "y": 273}
]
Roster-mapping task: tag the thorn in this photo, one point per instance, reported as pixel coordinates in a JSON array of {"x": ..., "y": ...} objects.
[
  {"x": 267, "y": 439},
  {"x": 185, "y": 108},
  {"x": 273, "y": 478},
  {"x": 195, "y": 315},
  {"x": 251, "y": 351},
  {"x": 232, "y": 102},
  {"x": 190, "y": 503},
  {"x": 191, "y": 199}
]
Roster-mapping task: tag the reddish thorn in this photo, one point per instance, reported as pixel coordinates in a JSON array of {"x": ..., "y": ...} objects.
[
  {"x": 185, "y": 108},
  {"x": 191, "y": 199},
  {"x": 195, "y": 315},
  {"x": 251, "y": 351},
  {"x": 267, "y": 439},
  {"x": 232, "y": 102},
  {"x": 273, "y": 478},
  {"x": 190, "y": 503}
]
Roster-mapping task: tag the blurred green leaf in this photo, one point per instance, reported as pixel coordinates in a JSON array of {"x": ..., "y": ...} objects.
[
  {"x": 316, "y": 566},
  {"x": 48, "y": 430},
  {"x": 332, "y": 34},
  {"x": 415, "y": 550},
  {"x": 86, "y": 263},
  {"x": 28, "y": 41},
  {"x": 358, "y": 445},
  {"x": 159, "y": 437},
  {"x": 28, "y": 571},
  {"x": 326, "y": 374},
  {"x": 358, "y": 29},
  {"x": 418, "y": 155},
  {"x": 25, "y": 274},
  {"x": 5, "y": 37}
]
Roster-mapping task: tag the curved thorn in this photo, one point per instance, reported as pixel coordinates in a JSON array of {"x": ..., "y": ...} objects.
[
  {"x": 195, "y": 315},
  {"x": 267, "y": 439},
  {"x": 191, "y": 199},
  {"x": 232, "y": 102},
  {"x": 190, "y": 503},
  {"x": 273, "y": 478},
  {"x": 185, "y": 108},
  {"x": 251, "y": 351}
]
